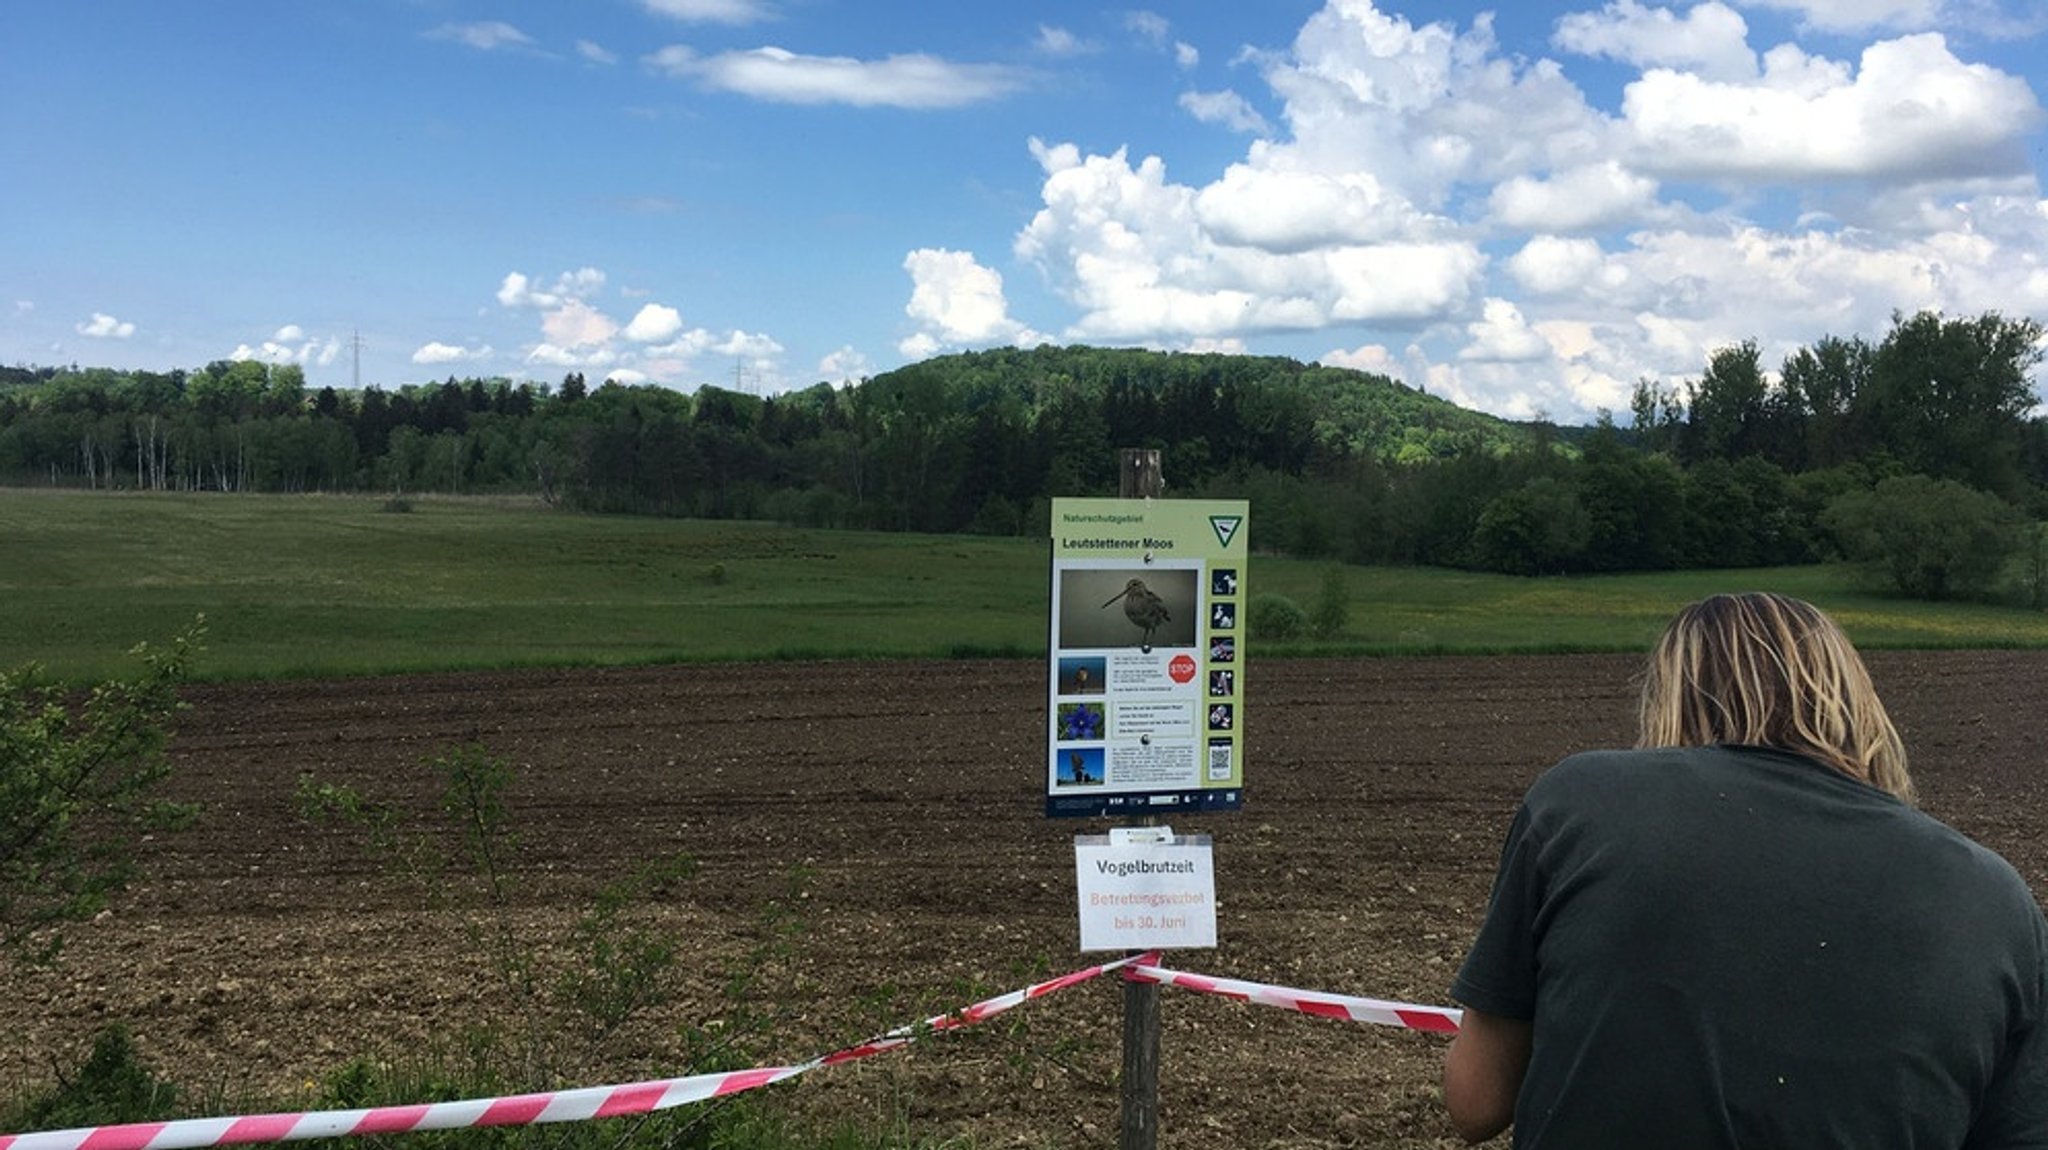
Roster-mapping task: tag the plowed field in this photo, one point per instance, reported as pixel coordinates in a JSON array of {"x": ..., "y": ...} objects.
[{"x": 871, "y": 851}]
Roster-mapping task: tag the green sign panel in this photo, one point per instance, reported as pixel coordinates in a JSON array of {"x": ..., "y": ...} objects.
[{"x": 1146, "y": 708}]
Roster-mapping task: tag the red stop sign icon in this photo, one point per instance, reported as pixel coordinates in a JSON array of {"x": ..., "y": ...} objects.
[{"x": 1182, "y": 668}]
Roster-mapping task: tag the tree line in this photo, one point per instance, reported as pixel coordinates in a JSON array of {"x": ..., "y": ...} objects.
[
  {"x": 1741, "y": 466},
  {"x": 969, "y": 442}
]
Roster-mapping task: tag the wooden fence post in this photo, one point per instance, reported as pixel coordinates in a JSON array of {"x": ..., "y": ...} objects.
[{"x": 1139, "y": 478}]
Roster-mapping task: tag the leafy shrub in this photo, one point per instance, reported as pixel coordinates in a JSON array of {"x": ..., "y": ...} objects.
[
  {"x": 1333, "y": 606},
  {"x": 1933, "y": 538},
  {"x": 77, "y": 783},
  {"x": 996, "y": 516},
  {"x": 1277, "y": 617},
  {"x": 2031, "y": 583},
  {"x": 111, "y": 1086}
]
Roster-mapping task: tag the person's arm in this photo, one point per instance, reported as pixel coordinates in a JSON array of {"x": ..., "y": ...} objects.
[
  {"x": 2014, "y": 1112},
  {"x": 1483, "y": 1073}
]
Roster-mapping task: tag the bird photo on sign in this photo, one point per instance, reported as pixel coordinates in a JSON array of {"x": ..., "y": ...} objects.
[
  {"x": 1152, "y": 608},
  {"x": 1083, "y": 675},
  {"x": 1080, "y": 767}
]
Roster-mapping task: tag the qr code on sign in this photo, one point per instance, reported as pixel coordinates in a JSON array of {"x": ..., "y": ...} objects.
[{"x": 1222, "y": 761}]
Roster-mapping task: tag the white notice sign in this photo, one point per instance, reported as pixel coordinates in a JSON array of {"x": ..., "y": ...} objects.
[{"x": 1145, "y": 895}]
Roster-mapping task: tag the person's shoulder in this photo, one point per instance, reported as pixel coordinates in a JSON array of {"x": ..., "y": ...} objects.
[
  {"x": 1619, "y": 758},
  {"x": 1994, "y": 875},
  {"x": 1605, "y": 767},
  {"x": 1601, "y": 774}
]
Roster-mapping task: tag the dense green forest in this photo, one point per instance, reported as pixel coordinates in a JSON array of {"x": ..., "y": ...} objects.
[{"x": 1849, "y": 447}]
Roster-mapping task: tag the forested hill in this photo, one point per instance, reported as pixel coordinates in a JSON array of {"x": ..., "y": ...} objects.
[
  {"x": 1200, "y": 408},
  {"x": 976, "y": 441}
]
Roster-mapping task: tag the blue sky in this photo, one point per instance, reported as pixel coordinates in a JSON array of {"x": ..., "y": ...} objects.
[{"x": 1522, "y": 208}]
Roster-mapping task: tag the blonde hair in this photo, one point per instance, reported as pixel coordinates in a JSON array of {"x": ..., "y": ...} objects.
[{"x": 1767, "y": 670}]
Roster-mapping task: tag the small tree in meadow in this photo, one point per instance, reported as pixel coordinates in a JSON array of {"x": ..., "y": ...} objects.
[
  {"x": 1933, "y": 538},
  {"x": 1333, "y": 606}
]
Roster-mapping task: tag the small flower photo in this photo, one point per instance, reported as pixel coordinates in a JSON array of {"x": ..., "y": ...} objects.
[{"x": 1080, "y": 722}]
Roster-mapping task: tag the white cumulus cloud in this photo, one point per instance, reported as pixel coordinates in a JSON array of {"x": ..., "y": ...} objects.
[
  {"x": 1555, "y": 265},
  {"x": 845, "y": 365},
  {"x": 710, "y": 11},
  {"x": 956, "y": 302},
  {"x": 1287, "y": 210},
  {"x": 518, "y": 291},
  {"x": 435, "y": 352},
  {"x": 1861, "y": 15},
  {"x": 1593, "y": 196},
  {"x": 653, "y": 324},
  {"x": 104, "y": 326},
  {"x": 1227, "y": 108},
  {"x": 1503, "y": 335},
  {"x": 736, "y": 359},
  {"x": 1150, "y": 27},
  {"x": 551, "y": 355},
  {"x": 915, "y": 80},
  {"x": 1371, "y": 357},
  {"x": 1910, "y": 112},
  {"x": 484, "y": 36},
  {"x": 290, "y": 344},
  {"x": 576, "y": 324},
  {"x": 1056, "y": 41},
  {"x": 1711, "y": 39},
  {"x": 1149, "y": 260}
]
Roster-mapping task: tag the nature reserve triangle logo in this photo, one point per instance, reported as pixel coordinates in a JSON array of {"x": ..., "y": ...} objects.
[{"x": 1225, "y": 527}]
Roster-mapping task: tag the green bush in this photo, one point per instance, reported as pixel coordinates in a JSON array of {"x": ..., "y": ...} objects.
[
  {"x": 1277, "y": 617},
  {"x": 77, "y": 784},
  {"x": 1932, "y": 538},
  {"x": 1333, "y": 605},
  {"x": 996, "y": 516},
  {"x": 112, "y": 1086},
  {"x": 2030, "y": 578}
]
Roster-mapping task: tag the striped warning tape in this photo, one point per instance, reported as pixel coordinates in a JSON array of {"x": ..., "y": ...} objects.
[
  {"x": 519, "y": 1110},
  {"x": 1440, "y": 1019}
]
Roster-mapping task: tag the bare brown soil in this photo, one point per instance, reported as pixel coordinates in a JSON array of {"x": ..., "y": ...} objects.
[{"x": 893, "y": 811}]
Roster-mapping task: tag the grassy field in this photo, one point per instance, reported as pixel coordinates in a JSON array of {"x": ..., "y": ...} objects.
[{"x": 327, "y": 585}]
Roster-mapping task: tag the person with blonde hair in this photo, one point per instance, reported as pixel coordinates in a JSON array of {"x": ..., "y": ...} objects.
[{"x": 1741, "y": 933}]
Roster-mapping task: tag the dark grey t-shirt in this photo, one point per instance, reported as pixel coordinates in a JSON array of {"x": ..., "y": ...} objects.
[{"x": 1730, "y": 946}]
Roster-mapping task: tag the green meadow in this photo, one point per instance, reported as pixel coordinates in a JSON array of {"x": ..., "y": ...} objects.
[{"x": 341, "y": 585}]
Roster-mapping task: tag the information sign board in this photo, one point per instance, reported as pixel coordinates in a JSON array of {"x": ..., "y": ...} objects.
[{"x": 1146, "y": 711}]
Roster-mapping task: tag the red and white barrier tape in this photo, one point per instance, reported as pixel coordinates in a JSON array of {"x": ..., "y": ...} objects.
[
  {"x": 1440, "y": 1019},
  {"x": 519, "y": 1110},
  {"x": 988, "y": 1008}
]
